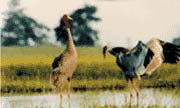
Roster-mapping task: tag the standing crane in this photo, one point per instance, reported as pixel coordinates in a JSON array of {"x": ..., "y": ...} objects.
[
  {"x": 144, "y": 59},
  {"x": 65, "y": 64}
]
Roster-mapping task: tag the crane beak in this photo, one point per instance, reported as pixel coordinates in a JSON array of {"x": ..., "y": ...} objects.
[{"x": 69, "y": 18}]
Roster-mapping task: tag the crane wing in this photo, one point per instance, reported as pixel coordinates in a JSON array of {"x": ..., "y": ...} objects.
[
  {"x": 171, "y": 52},
  {"x": 148, "y": 57},
  {"x": 56, "y": 61}
]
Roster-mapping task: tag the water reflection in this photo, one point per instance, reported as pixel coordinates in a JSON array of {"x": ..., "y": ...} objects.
[{"x": 86, "y": 99}]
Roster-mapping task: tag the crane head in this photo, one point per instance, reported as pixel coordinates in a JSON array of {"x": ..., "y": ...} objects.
[
  {"x": 65, "y": 21},
  {"x": 139, "y": 48},
  {"x": 66, "y": 18}
]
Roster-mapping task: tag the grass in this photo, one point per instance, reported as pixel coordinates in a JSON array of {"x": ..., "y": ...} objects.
[{"x": 27, "y": 70}]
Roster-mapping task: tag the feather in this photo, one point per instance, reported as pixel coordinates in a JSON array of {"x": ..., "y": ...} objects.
[
  {"x": 120, "y": 49},
  {"x": 56, "y": 61},
  {"x": 171, "y": 52},
  {"x": 148, "y": 57}
]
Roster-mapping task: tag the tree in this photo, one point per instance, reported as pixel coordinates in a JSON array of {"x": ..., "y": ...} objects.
[
  {"x": 83, "y": 33},
  {"x": 176, "y": 40},
  {"x": 20, "y": 29}
]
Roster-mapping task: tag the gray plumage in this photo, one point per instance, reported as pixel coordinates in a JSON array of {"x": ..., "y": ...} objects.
[
  {"x": 144, "y": 59},
  {"x": 132, "y": 62},
  {"x": 135, "y": 61}
]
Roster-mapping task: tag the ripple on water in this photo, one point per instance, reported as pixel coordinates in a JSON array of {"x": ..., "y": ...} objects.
[{"x": 86, "y": 99}]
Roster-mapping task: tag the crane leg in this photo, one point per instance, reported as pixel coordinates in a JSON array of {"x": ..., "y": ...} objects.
[
  {"x": 131, "y": 92},
  {"x": 137, "y": 91},
  {"x": 61, "y": 97},
  {"x": 69, "y": 92}
]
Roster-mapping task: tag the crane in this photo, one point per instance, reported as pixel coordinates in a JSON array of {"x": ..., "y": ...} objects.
[
  {"x": 65, "y": 64},
  {"x": 144, "y": 59}
]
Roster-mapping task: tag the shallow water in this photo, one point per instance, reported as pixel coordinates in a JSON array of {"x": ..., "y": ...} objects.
[{"x": 87, "y": 99}]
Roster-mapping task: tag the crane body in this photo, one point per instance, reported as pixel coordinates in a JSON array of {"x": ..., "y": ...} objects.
[
  {"x": 65, "y": 64},
  {"x": 144, "y": 59}
]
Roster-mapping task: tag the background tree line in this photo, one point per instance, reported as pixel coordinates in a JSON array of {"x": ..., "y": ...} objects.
[{"x": 20, "y": 29}]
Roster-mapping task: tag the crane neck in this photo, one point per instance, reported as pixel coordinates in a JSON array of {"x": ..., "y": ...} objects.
[
  {"x": 70, "y": 45},
  {"x": 119, "y": 59}
]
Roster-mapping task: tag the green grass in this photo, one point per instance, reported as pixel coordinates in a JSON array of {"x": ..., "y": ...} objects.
[
  {"x": 27, "y": 70},
  {"x": 45, "y": 50}
]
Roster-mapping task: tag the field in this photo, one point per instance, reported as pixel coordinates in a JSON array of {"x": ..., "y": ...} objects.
[{"x": 27, "y": 70}]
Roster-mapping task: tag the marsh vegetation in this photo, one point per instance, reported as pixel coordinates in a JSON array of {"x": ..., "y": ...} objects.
[{"x": 27, "y": 70}]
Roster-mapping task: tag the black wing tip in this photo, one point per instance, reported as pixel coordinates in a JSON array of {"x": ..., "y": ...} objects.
[
  {"x": 120, "y": 49},
  {"x": 171, "y": 52},
  {"x": 148, "y": 57},
  {"x": 55, "y": 63}
]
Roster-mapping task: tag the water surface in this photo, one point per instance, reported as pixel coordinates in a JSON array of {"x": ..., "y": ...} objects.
[{"x": 87, "y": 99}]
